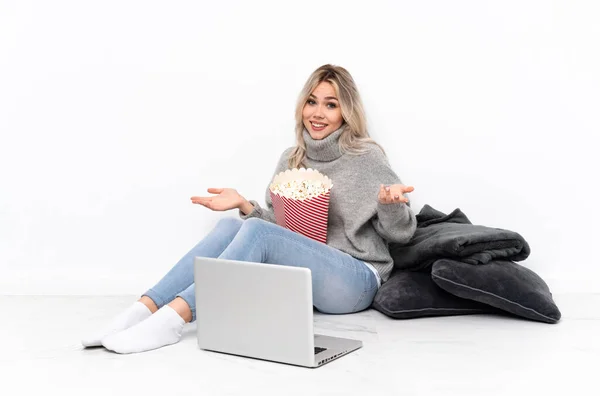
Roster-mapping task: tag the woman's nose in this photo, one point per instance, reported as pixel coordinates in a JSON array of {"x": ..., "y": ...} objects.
[{"x": 319, "y": 112}]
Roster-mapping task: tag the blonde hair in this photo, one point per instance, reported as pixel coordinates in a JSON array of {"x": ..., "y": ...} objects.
[{"x": 355, "y": 138}]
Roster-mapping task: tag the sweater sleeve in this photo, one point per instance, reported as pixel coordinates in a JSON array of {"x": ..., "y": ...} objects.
[
  {"x": 394, "y": 222},
  {"x": 267, "y": 213}
]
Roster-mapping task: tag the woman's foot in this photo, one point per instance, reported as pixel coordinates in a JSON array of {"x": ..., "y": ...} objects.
[
  {"x": 162, "y": 328},
  {"x": 131, "y": 316}
]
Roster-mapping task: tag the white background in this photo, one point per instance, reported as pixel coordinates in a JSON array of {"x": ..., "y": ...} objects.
[{"x": 114, "y": 113}]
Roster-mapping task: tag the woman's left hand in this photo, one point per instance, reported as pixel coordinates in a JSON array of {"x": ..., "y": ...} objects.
[{"x": 394, "y": 193}]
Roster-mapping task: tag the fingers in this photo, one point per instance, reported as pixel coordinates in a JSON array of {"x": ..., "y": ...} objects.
[
  {"x": 198, "y": 199},
  {"x": 385, "y": 194},
  {"x": 201, "y": 201},
  {"x": 206, "y": 201},
  {"x": 393, "y": 194},
  {"x": 382, "y": 193},
  {"x": 400, "y": 198},
  {"x": 407, "y": 189}
]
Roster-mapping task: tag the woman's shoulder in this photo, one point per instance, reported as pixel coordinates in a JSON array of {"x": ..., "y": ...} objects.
[
  {"x": 285, "y": 156},
  {"x": 372, "y": 152},
  {"x": 288, "y": 151}
]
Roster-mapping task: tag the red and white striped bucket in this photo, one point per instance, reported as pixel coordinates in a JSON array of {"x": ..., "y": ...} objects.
[
  {"x": 307, "y": 217},
  {"x": 304, "y": 216}
]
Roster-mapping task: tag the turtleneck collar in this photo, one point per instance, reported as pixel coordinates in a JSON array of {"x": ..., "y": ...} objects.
[{"x": 323, "y": 150}]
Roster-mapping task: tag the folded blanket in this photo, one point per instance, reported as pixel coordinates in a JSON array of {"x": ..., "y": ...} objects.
[{"x": 453, "y": 236}]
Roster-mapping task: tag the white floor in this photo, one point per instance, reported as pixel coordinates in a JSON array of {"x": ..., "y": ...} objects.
[{"x": 460, "y": 355}]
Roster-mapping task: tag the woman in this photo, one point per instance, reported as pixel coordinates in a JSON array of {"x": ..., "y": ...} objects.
[{"x": 367, "y": 210}]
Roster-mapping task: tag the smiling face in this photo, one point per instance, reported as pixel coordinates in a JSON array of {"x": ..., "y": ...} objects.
[{"x": 322, "y": 114}]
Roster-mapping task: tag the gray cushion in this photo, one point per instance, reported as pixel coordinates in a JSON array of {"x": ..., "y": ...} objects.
[
  {"x": 501, "y": 284},
  {"x": 440, "y": 236},
  {"x": 413, "y": 294}
]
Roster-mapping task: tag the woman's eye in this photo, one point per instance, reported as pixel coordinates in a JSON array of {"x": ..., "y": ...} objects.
[
  {"x": 310, "y": 102},
  {"x": 331, "y": 105}
]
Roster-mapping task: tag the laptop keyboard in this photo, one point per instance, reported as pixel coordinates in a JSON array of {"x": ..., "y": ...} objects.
[{"x": 319, "y": 350}]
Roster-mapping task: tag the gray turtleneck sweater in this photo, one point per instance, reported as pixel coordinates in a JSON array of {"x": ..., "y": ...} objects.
[{"x": 358, "y": 224}]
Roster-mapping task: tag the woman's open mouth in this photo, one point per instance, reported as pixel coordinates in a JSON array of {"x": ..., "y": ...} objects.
[{"x": 317, "y": 127}]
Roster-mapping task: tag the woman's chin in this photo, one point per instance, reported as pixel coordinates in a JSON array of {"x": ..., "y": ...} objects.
[{"x": 320, "y": 135}]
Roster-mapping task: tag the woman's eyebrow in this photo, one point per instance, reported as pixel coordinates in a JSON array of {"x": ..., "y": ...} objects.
[{"x": 326, "y": 97}]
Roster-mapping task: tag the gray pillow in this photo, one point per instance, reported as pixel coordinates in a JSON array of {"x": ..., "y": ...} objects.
[
  {"x": 408, "y": 295},
  {"x": 501, "y": 284}
]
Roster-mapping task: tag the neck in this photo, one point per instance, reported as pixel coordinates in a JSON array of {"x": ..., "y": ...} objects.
[{"x": 324, "y": 150}]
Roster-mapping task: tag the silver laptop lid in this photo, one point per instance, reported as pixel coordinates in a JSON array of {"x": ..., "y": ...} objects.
[{"x": 258, "y": 310}]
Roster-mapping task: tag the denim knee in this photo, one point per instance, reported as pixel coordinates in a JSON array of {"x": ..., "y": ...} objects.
[
  {"x": 230, "y": 223},
  {"x": 254, "y": 225},
  {"x": 255, "y": 222}
]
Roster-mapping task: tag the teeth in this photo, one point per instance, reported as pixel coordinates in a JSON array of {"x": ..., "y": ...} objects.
[{"x": 318, "y": 125}]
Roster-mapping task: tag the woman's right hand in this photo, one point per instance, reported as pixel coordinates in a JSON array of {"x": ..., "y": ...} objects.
[{"x": 227, "y": 199}]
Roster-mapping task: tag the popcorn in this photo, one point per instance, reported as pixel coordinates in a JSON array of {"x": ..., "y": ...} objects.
[
  {"x": 300, "y": 200},
  {"x": 299, "y": 189}
]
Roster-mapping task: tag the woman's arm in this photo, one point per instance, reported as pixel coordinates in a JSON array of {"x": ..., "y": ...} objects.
[
  {"x": 394, "y": 220},
  {"x": 246, "y": 207}
]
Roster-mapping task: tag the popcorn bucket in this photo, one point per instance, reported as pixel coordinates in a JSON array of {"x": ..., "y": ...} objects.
[{"x": 300, "y": 200}]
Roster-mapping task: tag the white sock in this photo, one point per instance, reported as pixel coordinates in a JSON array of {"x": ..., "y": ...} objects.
[
  {"x": 161, "y": 329},
  {"x": 131, "y": 316}
]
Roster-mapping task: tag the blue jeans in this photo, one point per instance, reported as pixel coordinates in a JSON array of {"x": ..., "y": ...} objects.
[{"x": 340, "y": 283}]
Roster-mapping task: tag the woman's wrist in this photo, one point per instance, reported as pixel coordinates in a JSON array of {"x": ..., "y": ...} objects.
[{"x": 246, "y": 207}]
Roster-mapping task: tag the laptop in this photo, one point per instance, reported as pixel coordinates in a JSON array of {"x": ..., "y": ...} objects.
[{"x": 261, "y": 311}]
